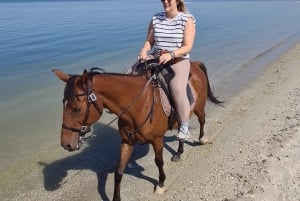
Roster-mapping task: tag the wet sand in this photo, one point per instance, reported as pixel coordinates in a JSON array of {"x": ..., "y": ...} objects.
[{"x": 254, "y": 156}]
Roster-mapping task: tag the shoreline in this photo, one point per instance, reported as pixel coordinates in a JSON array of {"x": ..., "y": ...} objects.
[{"x": 243, "y": 156}]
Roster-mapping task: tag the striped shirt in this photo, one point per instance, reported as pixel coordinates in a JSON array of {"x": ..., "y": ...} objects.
[{"x": 168, "y": 33}]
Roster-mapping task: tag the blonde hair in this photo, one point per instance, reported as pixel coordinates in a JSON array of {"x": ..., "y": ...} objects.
[{"x": 181, "y": 6}]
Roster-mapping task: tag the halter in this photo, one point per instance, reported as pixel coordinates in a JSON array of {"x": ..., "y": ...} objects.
[{"x": 91, "y": 97}]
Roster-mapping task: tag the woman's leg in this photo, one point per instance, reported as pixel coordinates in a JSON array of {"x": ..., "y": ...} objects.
[{"x": 178, "y": 89}]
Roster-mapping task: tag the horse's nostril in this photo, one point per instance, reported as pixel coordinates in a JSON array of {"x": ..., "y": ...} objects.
[{"x": 67, "y": 146}]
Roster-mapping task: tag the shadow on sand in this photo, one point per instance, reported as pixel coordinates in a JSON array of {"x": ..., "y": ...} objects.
[{"x": 100, "y": 156}]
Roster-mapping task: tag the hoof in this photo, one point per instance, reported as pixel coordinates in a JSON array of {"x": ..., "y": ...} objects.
[
  {"x": 160, "y": 190},
  {"x": 204, "y": 141},
  {"x": 175, "y": 158}
]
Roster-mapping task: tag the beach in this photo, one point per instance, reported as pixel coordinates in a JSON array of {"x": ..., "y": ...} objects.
[
  {"x": 249, "y": 50},
  {"x": 254, "y": 155}
]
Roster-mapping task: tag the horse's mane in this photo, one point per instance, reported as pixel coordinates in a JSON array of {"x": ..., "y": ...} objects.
[
  {"x": 100, "y": 71},
  {"x": 113, "y": 73},
  {"x": 69, "y": 92}
]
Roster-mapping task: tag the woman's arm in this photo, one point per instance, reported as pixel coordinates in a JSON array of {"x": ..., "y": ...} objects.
[
  {"x": 148, "y": 43},
  {"x": 188, "y": 39},
  {"x": 187, "y": 45}
]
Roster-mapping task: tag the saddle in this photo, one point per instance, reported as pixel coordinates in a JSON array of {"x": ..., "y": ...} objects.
[{"x": 162, "y": 75}]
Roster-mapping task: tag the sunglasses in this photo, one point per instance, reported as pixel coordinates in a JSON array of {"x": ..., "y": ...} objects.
[{"x": 163, "y": 1}]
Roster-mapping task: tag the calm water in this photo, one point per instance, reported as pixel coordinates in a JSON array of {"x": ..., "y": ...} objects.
[{"x": 36, "y": 37}]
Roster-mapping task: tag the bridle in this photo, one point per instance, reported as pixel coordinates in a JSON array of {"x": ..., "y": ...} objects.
[{"x": 91, "y": 97}]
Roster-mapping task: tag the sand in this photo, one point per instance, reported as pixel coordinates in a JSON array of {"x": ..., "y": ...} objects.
[{"x": 255, "y": 154}]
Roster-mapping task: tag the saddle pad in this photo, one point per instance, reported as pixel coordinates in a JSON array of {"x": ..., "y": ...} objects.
[{"x": 166, "y": 104}]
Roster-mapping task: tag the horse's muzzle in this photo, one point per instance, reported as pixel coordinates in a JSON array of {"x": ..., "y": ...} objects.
[
  {"x": 74, "y": 147},
  {"x": 68, "y": 147},
  {"x": 75, "y": 144}
]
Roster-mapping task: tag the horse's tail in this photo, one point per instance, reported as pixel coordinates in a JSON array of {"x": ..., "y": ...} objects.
[{"x": 210, "y": 94}]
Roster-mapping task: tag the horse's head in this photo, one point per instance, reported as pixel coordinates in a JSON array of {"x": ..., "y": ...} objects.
[{"x": 81, "y": 109}]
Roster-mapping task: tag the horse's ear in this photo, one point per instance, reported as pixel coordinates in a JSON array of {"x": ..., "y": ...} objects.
[
  {"x": 85, "y": 77},
  {"x": 61, "y": 75}
]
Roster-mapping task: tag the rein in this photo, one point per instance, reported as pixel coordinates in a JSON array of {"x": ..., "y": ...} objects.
[{"x": 131, "y": 133}]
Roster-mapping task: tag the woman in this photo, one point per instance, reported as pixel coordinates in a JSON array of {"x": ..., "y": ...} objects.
[{"x": 173, "y": 31}]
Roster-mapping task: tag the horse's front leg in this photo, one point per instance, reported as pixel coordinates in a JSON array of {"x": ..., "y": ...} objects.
[
  {"x": 158, "y": 150},
  {"x": 176, "y": 157},
  {"x": 126, "y": 152}
]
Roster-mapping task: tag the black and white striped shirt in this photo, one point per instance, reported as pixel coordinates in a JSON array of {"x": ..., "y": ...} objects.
[{"x": 168, "y": 33}]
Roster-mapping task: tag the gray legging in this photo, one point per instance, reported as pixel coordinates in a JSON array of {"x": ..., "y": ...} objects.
[{"x": 178, "y": 88}]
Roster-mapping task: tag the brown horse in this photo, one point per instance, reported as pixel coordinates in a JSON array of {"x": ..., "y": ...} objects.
[{"x": 136, "y": 102}]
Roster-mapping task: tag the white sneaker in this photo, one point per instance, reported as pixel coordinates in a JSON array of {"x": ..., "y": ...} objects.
[{"x": 183, "y": 135}]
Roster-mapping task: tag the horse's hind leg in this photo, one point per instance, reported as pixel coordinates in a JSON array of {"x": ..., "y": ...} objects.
[
  {"x": 126, "y": 152},
  {"x": 201, "y": 119},
  {"x": 158, "y": 150}
]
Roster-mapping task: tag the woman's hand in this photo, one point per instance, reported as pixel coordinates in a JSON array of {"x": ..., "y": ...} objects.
[
  {"x": 166, "y": 57},
  {"x": 143, "y": 55}
]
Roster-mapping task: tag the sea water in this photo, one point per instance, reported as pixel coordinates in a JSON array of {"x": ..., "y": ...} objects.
[{"x": 38, "y": 36}]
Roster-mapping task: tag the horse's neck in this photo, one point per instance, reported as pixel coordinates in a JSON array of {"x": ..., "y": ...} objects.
[{"x": 118, "y": 91}]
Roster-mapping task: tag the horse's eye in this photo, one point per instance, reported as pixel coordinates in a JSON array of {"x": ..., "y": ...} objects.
[{"x": 77, "y": 109}]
